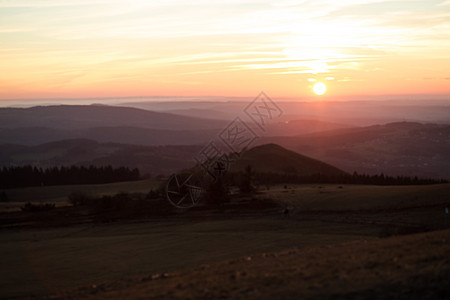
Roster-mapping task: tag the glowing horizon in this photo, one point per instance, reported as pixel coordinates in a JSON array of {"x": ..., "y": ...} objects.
[{"x": 106, "y": 48}]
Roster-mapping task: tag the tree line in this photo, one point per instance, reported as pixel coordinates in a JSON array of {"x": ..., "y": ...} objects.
[
  {"x": 355, "y": 178},
  {"x": 27, "y": 176}
]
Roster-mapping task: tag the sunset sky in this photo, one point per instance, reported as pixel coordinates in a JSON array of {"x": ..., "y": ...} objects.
[{"x": 108, "y": 48}]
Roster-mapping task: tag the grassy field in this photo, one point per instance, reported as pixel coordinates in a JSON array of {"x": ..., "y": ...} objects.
[
  {"x": 357, "y": 197},
  {"x": 43, "y": 261},
  {"x": 58, "y": 194},
  {"x": 408, "y": 267}
]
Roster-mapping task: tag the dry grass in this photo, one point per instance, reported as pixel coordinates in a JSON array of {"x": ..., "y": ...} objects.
[
  {"x": 47, "y": 260},
  {"x": 58, "y": 194},
  {"x": 415, "y": 266},
  {"x": 52, "y": 259},
  {"x": 321, "y": 197}
]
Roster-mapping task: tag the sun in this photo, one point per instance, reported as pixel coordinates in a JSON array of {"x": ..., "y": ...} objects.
[{"x": 319, "y": 88}]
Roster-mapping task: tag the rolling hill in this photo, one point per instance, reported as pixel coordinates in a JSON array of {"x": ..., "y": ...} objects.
[
  {"x": 89, "y": 116},
  {"x": 272, "y": 158},
  {"x": 402, "y": 148},
  {"x": 304, "y": 126},
  {"x": 148, "y": 136},
  {"x": 157, "y": 160},
  {"x": 122, "y": 134},
  {"x": 357, "y": 112},
  {"x": 150, "y": 160},
  {"x": 44, "y": 124}
]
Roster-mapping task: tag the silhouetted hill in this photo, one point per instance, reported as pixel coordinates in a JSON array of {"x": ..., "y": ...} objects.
[
  {"x": 201, "y": 113},
  {"x": 272, "y": 158},
  {"x": 122, "y": 134},
  {"x": 147, "y": 136},
  {"x": 156, "y": 160},
  {"x": 149, "y": 160},
  {"x": 402, "y": 148},
  {"x": 43, "y": 124},
  {"x": 299, "y": 127},
  {"x": 82, "y": 117}
]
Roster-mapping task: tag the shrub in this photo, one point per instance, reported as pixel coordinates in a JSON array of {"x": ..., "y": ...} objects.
[
  {"x": 155, "y": 194},
  {"x": 119, "y": 201},
  {"x": 79, "y": 198},
  {"x": 3, "y": 197},
  {"x": 120, "y": 206},
  {"x": 245, "y": 182},
  {"x": 29, "y": 207},
  {"x": 216, "y": 193}
]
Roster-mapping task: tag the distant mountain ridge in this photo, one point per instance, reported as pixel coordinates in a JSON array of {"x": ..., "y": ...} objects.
[
  {"x": 123, "y": 135},
  {"x": 88, "y": 116},
  {"x": 269, "y": 158},
  {"x": 150, "y": 160},
  {"x": 44, "y": 124},
  {"x": 401, "y": 148},
  {"x": 148, "y": 136},
  {"x": 354, "y": 112}
]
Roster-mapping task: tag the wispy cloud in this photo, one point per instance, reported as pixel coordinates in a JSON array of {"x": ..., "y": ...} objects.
[
  {"x": 7, "y": 29},
  {"x": 103, "y": 40},
  {"x": 49, "y": 3}
]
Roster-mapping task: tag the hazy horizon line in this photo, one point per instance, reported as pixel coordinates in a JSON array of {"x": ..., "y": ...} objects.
[{"x": 112, "y": 100}]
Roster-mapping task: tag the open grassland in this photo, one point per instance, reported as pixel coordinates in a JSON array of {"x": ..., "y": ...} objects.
[
  {"x": 59, "y": 194},
  {"x": 408, "y": 267},
  {"x": 46, "y": 260},
  {"x": 332, "y": 197}
]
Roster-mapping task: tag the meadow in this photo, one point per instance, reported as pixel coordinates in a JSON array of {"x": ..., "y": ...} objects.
[
  {"x": 58, "y": 194},
  {"x": 44, "y": 260}
]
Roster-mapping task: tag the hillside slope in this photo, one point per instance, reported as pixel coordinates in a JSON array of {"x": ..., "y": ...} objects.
[
  {"x": 122, "y": 134},
  {"x": 272, "y": 158},
  {"x": 43, "y": 124},
  {"x": 403, "y": 148},
  {"x": 88, "y": 116},
  {"x": 150, "y": 160}
]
